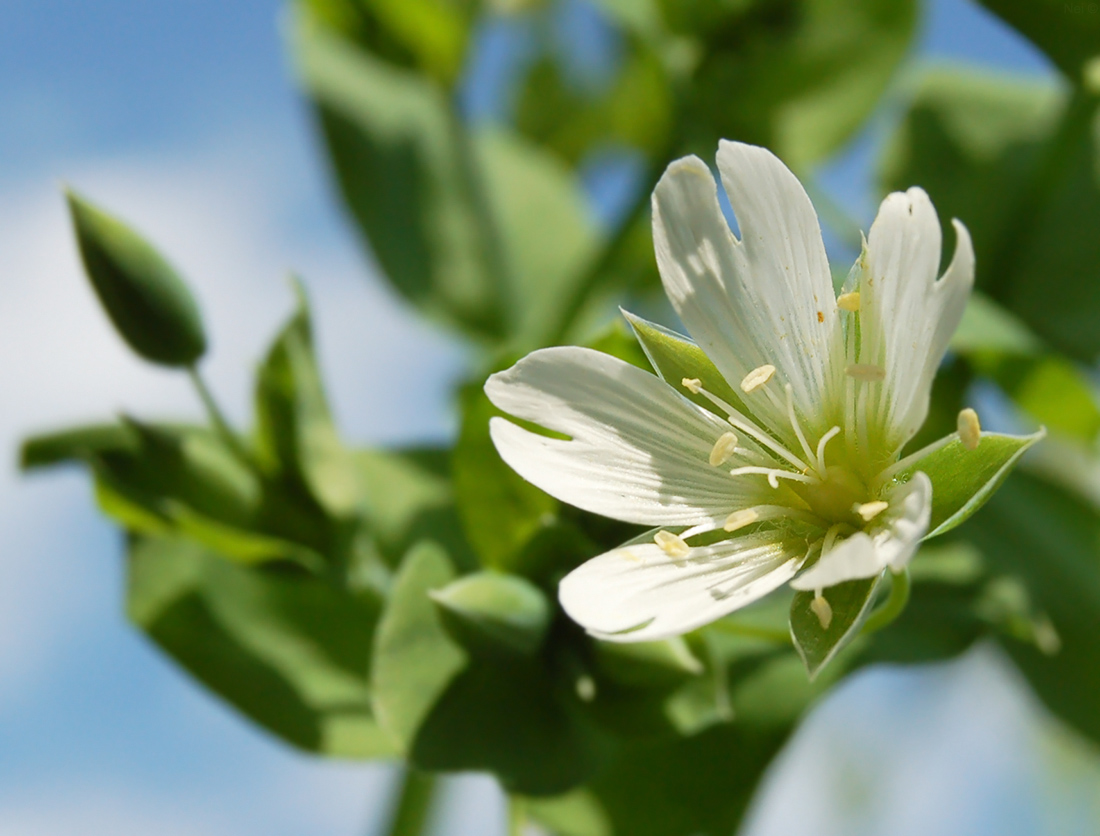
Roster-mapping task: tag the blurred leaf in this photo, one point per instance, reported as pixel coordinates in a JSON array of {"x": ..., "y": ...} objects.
[
  {"x": 408, "y": 498},
  {"x": 400, "y": 158},
  {"x": 495, "y": 611},
  {"x": 296, "y": 439},
  {"x": 817, "y": 642},
  {"x": 634, "y": 110},
  {"x": 286, "y": 650},
  {"x": 500, "y": 511},
  {"x": 619, "y": 342},
  {"x": 687, "y": 786},
  {"x": 647, "y": 664},
  {"x": 988, "y": 327},
  {"x": 1035, "y": 531},
  {"x": 797, "y": 77},
  {"x": 963, "y": 480},
  {"x": 1017, "y": 163},
  {"x": 1068, "y": 32},
  {"x": 675, "y": 358},
  {"x": 75, "y": 445},
  {"x": 149, "y": 304},
  {"x": 414, "y": 657},
  {"x": 1050, "y": 389},
  {"x": 547, "y": 236},
  {"x": 577, "y": 813}
]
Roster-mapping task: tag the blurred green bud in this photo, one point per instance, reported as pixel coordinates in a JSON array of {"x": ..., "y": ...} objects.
[
  {"x": 660, "y": 664},
  {"x": 148, "y": 303},
  {"x": 494, "y": 611}
]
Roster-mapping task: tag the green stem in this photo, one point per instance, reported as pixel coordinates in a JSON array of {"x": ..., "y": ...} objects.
[
  {"x": 750, "y": 632},
  {"x": 414, "y": 804},
  {"x": 217, "y": 418},
  {"x": 885, "y": 615},
  {"x": 517, "y": 815}
]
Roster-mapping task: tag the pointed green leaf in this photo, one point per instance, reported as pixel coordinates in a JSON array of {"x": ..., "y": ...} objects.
[
  {"x": 415, "y": 658},
  {"x": 75, "y": 445},
  {"x": 284, "y": 649},
  {"x": 963, "y": 480},
  {"x": 675, "y": 357},
  {"x": 296, "y": 437},
  {"x": 501, "y": 512},
  {"x": 1068, "y": 31},
  {"x": 147, "y": 301},
  {"x": 495, "y": 611},
  {"x": 399, "y": 155},
  {"x": 818, "y": 641}
]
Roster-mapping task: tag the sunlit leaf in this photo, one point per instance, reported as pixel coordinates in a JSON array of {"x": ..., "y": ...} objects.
[{"x": 492, "y": 610}]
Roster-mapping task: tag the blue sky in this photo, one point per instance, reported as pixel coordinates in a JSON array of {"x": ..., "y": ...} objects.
[{"x": 183, "y": 117}]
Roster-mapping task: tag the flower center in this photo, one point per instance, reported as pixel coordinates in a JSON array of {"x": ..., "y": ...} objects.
[{"x": 839, "y": 497}]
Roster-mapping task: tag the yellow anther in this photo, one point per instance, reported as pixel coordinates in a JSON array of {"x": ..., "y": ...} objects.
[
  {"x": 822, "y": 610},
  {"x": 970, "y": 429},
  {"x": 723, "y": 449},
  {"x": 692, "y": 384},
  {"x": 867, "y": 372},
  {"x": 870, "y": 510},
  {"x": 848, "y": 302},
  {"x": 739, "y": 519},
  {"x": 757, "y": 378},
  {"x": 671, "y": 545}
]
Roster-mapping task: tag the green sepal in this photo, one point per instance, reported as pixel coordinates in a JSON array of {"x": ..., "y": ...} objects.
[
  {"x": 675, "y": 357},
  {"x": 149, "y": 304},
  {"x": 963, "y": 480},
  {"x": 818, "y": 644},
  {"x": 494, "y": 612}
]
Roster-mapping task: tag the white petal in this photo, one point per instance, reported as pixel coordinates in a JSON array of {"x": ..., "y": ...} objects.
[
  {"x": 892, "y": 542},
  {"x": 907, "y": 316},
  {"x": 640, "y": 589},
  {"x": 764, "y": 300},
  {"x": 638, "y": 450},
  {"x": 854, "y": 558}
]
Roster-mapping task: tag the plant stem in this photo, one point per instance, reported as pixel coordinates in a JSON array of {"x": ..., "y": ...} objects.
[
  {"x": 217, "y": 418},
  {"x": 885, "y": 615},
  {"x": 414, "y": 804}
]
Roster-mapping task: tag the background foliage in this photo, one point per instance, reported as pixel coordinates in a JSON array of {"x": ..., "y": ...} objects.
[{"x": 269, "y": 563}]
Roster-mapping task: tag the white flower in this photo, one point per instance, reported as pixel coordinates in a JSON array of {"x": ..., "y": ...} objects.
[{"x": 799, "y": 474}]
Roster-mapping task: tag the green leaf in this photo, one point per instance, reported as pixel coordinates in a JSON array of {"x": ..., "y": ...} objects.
[
  {"x": 295, "y": 436},
  {"x": 647, "y": 664},
  {"x": 818, "y": 642},
  {"x": 799, "y": 79},
  {"x": 988, "y": 327},
  {"x": 675, "y": 357},
  {"x": 963, "y": 480},
  {"x": 687, "y": 786},
  {"x": 149, "y": 304},
  {"x": 1068, "y": 32},
  {"x": 547, "y": 236},
  {"x": 414, "y": 657},
  {"x": 1045, "y": 536},
  {"x": 497, "y": 611},
  {"x": 286, "y": 650},
  {"x": 401, "y": 161},
  {"x": 577, "y": 813},
  {"x": 500, "y": 511},
  {"x": 75, "y": 445}
]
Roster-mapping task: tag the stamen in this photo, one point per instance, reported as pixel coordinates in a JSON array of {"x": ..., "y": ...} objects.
[
  {"x": 825, "y": 439},
  {"x": 739, "y": 519},
  {"x": 822, "y": 610},
  {"x": 756, "y": 378},
  {"x": 774, "y": 474},
  {"x": 848, "y": 302},
  {"x": 723, "y": 450},
  {"x": 970, "y": 429},
  {"x": 870, "y": 510},
  {"x": 692, "y": 384},
  {"x": 671, "y": 545},
  {"x": 746, "y": 426},
  {"x": 795, "y": 425},
  {"x": 867, "y": 372}
]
